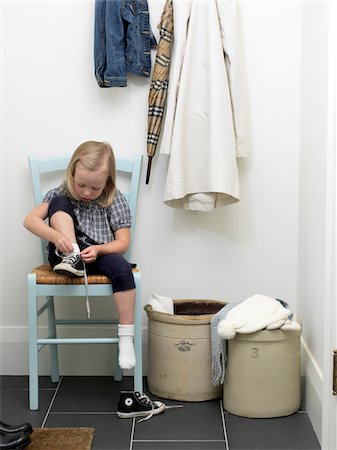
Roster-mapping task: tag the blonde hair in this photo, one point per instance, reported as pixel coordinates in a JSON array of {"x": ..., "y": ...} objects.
[{"x": 93, "y": 156}]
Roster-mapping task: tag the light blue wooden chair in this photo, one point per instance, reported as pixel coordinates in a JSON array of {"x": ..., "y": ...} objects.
[{"x": 43, "y": 282}]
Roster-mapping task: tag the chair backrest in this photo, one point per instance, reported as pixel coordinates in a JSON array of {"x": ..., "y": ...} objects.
[{"x": 42, "y": 167}]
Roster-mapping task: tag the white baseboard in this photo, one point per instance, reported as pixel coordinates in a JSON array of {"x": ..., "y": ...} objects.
[
  {"x": 312, "y": 390},
  {"x": 91, "y": 359}
]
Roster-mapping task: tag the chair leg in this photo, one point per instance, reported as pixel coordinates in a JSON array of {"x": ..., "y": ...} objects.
[
  {"x": 33, "y": 347},
  {"x": 54, "y": 363},
  {"x": 138, "y": 370}
]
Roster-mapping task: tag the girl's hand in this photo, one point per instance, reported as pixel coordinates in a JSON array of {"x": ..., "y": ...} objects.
[
  {"x": 62, "y": 243},
  {"x": 89, "y": 254}
]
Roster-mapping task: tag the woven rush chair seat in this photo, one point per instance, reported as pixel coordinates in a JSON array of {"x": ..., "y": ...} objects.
[{"x": 46, "y": 275}]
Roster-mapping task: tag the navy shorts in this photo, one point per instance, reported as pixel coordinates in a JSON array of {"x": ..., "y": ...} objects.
[{"x": 114, "y": 265}]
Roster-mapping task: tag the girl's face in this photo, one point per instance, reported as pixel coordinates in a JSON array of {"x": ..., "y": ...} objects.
[{"x": 88, "y": 184}]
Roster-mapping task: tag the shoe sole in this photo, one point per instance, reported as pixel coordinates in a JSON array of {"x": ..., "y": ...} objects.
[
  {"x": 130, "y": 415},
  {"x": 64, "y": 269},
  {"x": 24, "y": 445},
  {"x": 20, "y": 446}
]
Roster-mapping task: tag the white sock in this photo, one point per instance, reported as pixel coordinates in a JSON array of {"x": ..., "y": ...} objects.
[
  {"x": 76, "y": 250},
  {"x": 76, "y": 247},
  {"x": 127, "y": 357}
]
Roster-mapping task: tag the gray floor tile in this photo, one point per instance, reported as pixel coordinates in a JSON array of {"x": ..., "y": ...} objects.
[
  {"x": 195, "y": 421},
  {"x": 111, "y": 433},
  {"x": 293, "y": 432},
  {"x": 15, "y": 408},
  {"x": 92, "y": 401},
  {"x": 22, "y": 382},
  {"x": 179, "y": 445},
  {"x": 90, "y": 394}
]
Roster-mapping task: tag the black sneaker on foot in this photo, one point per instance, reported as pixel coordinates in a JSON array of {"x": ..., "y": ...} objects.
[
  {"x": 71, "y": 266},
  {"x": 135, "y": 404}
]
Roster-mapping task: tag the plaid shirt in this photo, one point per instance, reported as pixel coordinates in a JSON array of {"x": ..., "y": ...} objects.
[
  {"x": 159, "y": 84},
  {"x": 95, "y": 224}
]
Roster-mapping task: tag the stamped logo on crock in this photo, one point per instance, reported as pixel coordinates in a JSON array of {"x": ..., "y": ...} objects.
[{"x": 184, "y": 346}]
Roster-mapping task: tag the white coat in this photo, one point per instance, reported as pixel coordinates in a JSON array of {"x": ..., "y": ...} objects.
[{"x": 206, "y": 122}]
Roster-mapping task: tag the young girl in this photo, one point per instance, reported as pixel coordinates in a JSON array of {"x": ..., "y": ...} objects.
[{"x": 89, "y": 222}]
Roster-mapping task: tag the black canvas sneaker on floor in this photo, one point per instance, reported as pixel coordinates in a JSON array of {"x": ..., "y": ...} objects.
[
  {"x": 14, "y": 441},
  {"x": 71, "y": 266},
  {"x": 135, "y": 404}
]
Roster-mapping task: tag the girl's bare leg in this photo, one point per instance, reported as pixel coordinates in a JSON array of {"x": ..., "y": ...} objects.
[
  {"x": 63, "y": 222},
  {"x": 125, "y": 304}
]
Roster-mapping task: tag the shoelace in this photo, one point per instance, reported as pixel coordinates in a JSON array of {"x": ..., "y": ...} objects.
[
  {"x": 70, "y": 259},
  {"x": 147, "y": 401},
  {"x": 87, "y": 302}
]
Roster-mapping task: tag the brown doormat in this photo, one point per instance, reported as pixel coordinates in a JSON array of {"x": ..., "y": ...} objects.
[{"x": 61, "y": 439}]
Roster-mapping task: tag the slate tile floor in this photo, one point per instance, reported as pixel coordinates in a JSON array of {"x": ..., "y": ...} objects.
[{"x": 92, "y": 401}]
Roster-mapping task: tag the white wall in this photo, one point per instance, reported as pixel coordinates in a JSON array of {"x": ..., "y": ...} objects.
[
  {"x": 52, "y": 103},
  {"x": 312, "y": 202}
]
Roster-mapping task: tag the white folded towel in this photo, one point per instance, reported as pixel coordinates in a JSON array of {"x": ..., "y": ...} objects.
[
  {"x": 256, "y": 313},
  {"x": 161, "y": 304}
]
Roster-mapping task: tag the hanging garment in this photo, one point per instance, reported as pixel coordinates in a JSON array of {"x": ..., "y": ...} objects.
[
  {"x": 123, "y": 40},
  {"x": 159, "y": 84},
  {"x": 206, "y": 122}
]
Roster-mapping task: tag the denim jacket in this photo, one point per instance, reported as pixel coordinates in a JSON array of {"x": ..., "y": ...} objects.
[{"x": 123, "y": 40}]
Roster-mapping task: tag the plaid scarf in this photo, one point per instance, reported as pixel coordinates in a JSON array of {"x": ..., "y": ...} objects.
[{"x": 159, "y": 83}]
